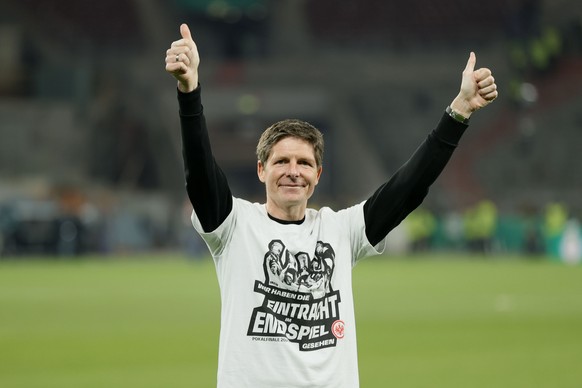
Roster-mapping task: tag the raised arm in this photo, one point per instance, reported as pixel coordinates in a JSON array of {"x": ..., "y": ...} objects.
[
  {"x": 206, "y": 184},
  {"x": 408, "y": 187}
]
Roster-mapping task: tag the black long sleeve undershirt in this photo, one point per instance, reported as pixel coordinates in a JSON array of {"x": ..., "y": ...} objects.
[
  {"x": 210, "y": 195},
  {"x": 408, "y": 187},
  {"x": 206, "y": 183}
]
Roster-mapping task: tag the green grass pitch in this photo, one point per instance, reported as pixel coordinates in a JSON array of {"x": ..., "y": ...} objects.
[{"x": 427, "y": 321}]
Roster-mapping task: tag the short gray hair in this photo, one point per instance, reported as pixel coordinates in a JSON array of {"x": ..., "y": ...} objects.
[{"x": 290, "y": 128}]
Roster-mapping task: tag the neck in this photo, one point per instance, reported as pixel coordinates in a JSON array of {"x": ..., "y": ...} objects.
[{"x": 289, "y": 213}]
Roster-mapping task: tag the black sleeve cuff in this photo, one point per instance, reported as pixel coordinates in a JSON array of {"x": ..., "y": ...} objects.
[
  {"x": 190, "y": 103},
  {"x": 449, "y": 130}
]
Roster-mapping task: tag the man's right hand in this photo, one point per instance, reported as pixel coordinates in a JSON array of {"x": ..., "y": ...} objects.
[{"x": 182, "y": 61}]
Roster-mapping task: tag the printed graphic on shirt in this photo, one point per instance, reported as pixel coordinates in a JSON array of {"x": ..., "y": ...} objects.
[{"x": 300, "y": 305}]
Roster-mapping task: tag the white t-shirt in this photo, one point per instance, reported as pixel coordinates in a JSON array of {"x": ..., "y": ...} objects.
[{"x": 287, "y": 316}]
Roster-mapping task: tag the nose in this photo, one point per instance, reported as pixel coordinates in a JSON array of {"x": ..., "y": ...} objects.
[{"x": 292, "y": 170}]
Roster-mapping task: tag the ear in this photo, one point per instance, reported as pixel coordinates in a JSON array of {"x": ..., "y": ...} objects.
[
  {"x": 261, "y": 171},
  {"x": 319, "y": 171}
]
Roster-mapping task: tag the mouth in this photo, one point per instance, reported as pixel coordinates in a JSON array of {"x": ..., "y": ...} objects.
[{"x": 292, "y": 185}]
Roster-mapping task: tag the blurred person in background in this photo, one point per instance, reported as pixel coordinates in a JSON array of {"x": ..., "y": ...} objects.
[
  {"x": 555, "y": 220},
  {"x": 480, "y": 224},
  {"x": 272, "y": 333},
  {"x": 421, "y": 225}
]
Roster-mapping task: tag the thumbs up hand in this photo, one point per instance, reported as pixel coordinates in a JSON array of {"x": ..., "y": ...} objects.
[
  {"x": 182, "y": 61},
  {"x": 478, "y": 89}
]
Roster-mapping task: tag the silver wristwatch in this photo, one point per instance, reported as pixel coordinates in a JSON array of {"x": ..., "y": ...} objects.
[{"x": 457, "y": 116}]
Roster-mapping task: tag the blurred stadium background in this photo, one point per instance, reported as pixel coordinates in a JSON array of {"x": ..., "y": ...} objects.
[
  {"x": 90, "y": 152},
  {"x": 475, "y": 292}
]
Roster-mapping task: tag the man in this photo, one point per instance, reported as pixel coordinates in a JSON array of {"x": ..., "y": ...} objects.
[{"x": 273, "y": 335}]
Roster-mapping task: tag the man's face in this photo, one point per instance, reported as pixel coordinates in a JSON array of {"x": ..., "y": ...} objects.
[
  {"x": 290, "y": 175},
  {"x": 303, "y": 261},
  {"x": 277, "y": 248}
]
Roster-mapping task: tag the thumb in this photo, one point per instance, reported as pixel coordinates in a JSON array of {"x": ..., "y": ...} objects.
[
  {"x": 185, "y": 31},
  {"x": 471, "y": 63}
]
